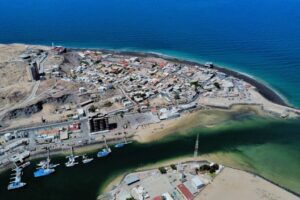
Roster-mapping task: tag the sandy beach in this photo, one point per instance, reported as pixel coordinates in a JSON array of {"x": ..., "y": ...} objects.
[
  {"x": 187, "y": 121},
  {"x": 233, "y": 184},
  {"x": 230, "y": 184}
]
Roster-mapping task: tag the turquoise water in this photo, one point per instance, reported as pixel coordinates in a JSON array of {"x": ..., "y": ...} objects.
[{"x": 261, "y": 38}]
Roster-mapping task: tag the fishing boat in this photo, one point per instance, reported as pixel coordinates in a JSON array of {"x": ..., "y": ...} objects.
[
  {"x": 42, "y": 163},
  {"x": 86, "y": 160},
  {"x": 43, "y": 172},
  {"x": 104, "y": 152},
  {"x": 71, "y": 159},
  {"x": 45, "y": 162},
  {"x": 45, "y": 168},
  {"x": 53, "y": 165},
  {"x": 71, "y": 163},
  {"x": 17, "y": 183},
  {"x": 122, "y": 144},
  {"x": 16, "y": 179}
]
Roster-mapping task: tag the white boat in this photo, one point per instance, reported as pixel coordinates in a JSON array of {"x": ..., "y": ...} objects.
[
  {"x": 86, "y": 160},
  {"x": 45, "y": 168},
  {"x": 122, "y": 144},
  {"x": 71, "y": 163},
  {"x": 53, "y": 165},
  {"x": 71, "y": 160},
  {"x": 105, "y": 151},
  {"x": 15, "y": 185},
  {"x": 42, "y": 163}
]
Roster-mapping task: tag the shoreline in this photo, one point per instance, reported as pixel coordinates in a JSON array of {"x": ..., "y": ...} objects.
[
  {"x": 263, "y": 89},
  {"x": 162, "y": 129},
  {"x": 119, "y": 178},
  {"x": 89, "y": 148}
]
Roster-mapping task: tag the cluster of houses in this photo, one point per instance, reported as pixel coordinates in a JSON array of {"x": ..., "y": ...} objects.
[
  {"x": 12, "y": 147},
  {"x": 16, "y": 146},
  {"x": 143, "y": 79},
  {"x": 61, "y": 133}
]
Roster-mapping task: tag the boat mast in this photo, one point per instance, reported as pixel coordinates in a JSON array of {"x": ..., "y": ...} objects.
[
  {"x": 48, "y": 159},
  {"x": 105, "y": 142},
  {"x": 125, "y": 138},
  {"x": 72, "y": 151}
]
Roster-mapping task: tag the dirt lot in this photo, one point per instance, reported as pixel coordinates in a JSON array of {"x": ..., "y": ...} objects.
[{"x": 14, "y": 85}]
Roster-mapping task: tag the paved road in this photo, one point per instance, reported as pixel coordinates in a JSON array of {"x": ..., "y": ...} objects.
[{"x": 48, "y": 125}]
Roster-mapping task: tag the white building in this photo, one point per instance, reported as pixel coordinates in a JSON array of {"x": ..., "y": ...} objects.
[
  {"x": 197, "y": 182},
  {"x": 167, "y": 196},
  {"x": 80, "y": 112},
  {"x": 165, "y": 113}
]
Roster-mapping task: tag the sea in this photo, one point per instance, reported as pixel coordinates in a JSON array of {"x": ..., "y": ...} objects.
[{"x": 255, "y": 37}]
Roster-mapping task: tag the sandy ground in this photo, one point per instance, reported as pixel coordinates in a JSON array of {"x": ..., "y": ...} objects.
[
  {"x": 221, "y": 158},
  {"x": 114, "y": 181},
  {"x": 234, "y": 184},
  {"x": 230, "y": 184},
  {"x": 272, "y": 107},
  {"x": 205, "y": 118},
  {"x": 256, "y": 98}
]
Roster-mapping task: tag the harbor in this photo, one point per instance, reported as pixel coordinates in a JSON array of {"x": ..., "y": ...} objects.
[
  {"x": 87, "y": 181},
  {"x": 46, "y": 167}
]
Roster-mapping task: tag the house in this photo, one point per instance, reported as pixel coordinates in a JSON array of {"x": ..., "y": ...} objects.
[
  {"x": 127, "y": 104},
  {"x": 63, "y": 135},
  {"x": 82, "y": 90},
  {"x": 166, "y": 196}
]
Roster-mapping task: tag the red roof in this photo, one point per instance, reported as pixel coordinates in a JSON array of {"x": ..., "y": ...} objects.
[
  {"x": 157, "y": 198},
  {"x": 188, "y": 195}
]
